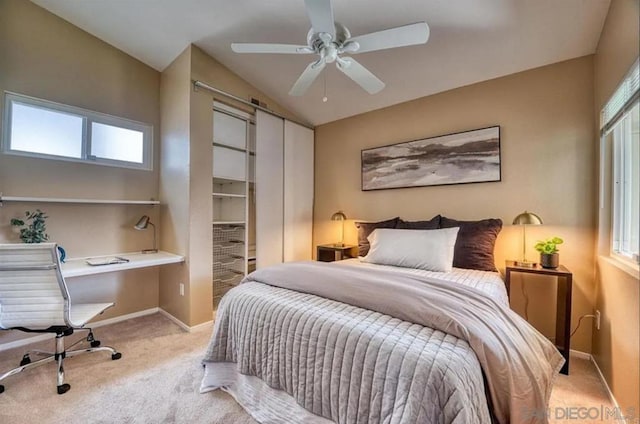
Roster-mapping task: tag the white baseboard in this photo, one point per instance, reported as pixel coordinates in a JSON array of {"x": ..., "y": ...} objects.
[
  {"x": 181, "y": 324},
  {"x": 612, "y": 398},
  {"x": 609, "y": 392},
  {"x": 96, "y": 324},
  {"x": 125, "y": 317},
  {"x": 580, "y": 354},
  {"x": 25, "y": 341}
]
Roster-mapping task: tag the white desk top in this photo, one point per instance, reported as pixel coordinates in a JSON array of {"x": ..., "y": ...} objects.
[{"x": 77, "y": 267}]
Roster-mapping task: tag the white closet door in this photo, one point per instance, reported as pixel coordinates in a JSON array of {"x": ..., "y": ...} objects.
[
  {"x": 298, "y": 192},
  {"x": 269, "y": 189}
]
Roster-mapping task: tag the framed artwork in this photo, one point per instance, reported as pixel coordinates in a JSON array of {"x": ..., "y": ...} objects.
[{"x": 460, "y": 158}]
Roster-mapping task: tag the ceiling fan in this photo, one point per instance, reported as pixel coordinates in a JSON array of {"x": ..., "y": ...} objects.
[{"x": 330, "y": 39}]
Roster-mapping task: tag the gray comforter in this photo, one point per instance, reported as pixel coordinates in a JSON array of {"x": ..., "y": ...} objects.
[{"x": 368, "y": 346}]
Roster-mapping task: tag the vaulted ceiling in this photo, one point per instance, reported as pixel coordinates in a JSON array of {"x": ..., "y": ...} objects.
[{"x": 471, "y": 41}]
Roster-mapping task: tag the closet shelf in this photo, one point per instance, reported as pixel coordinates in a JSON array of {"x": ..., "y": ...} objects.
[
  {"x": 84, "y": 201},
  {"x": 228, "y": 245},
  {"x": 239, "y": 223},
  {"x": 242, "y": 196}
]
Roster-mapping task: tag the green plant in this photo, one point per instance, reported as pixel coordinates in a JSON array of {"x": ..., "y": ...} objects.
[
  {"x": 35, "y": 231},
  {"x": 549, "y": 246}
]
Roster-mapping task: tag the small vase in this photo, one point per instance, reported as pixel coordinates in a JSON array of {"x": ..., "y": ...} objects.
[
  {"x": 549, "y": 260},
  {"x": 62, "y": 254}
]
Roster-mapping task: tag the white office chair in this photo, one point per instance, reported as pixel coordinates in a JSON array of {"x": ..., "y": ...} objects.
[{"x": 34, "y": 298}]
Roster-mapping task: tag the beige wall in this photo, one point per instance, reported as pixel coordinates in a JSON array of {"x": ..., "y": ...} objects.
[
  {"x": 547, "y": 149},
  {"x": 174, "y": 183},
  {"x": 186, "y": 175},
  {"x": 616, "y": 347},
  {"x": 44, "y": 56}
]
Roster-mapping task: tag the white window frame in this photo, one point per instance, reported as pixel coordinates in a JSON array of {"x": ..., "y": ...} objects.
[
  {"x": 624, "y": 99},
  {"x": 88, "y": 117}
]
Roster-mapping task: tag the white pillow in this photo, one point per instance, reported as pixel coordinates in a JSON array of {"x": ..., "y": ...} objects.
[{"x": 431, "y": 250}]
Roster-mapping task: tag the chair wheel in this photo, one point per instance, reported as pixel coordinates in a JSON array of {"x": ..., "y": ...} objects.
[
  {"x": 25, "y": 360},
  {"x": 116, "y": 356},
  {"x": 1, "y": 388},
  {"x": 64, "y": 388},
  {"x": 95, "y": 343}
]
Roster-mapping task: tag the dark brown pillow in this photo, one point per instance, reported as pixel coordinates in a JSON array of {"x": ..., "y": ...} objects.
[
  {"x": 366, "y": 228},
  {"x": 432, "y": 224},
  {"x": 474, "y": 246}
]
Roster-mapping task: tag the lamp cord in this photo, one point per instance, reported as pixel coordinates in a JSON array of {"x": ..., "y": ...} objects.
[
  {"x": 580, "y": 322},
  {"x": 526, "y": 298}
]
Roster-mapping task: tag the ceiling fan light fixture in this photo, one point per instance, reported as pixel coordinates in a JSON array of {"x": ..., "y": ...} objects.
[
  {"x": 331, "y": 53},
  {"x": 329, "y": 39},
  {"x": 343, "y": 63},
  {"x": 350, "y": 47}
]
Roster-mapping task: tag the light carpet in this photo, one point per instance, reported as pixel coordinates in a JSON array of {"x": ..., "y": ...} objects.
[{"x": 158, "y": 378}]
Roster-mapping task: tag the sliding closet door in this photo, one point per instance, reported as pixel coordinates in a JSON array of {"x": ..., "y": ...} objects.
[
  {"x": 269, "y": 189},
  {"x": 298, "y": 192}
]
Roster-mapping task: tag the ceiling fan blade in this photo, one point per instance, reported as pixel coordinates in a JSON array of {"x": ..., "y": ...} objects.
[
  {"x": 407, "y": 35},
  {"x": 307, "y": 78},
  {"x": 270, "y": 48},
  {"x": 321, "y": 16},
  {"x": 361, "y": 75}
]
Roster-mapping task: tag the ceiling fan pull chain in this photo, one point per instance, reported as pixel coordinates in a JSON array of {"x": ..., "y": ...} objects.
[{"x": 324, "y": 98}]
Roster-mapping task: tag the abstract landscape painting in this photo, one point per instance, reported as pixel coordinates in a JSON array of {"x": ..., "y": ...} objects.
[{"x": 466, "y": 157}]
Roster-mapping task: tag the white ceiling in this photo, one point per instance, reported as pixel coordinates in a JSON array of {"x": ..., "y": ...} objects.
[{"x": 471, "y": 41}]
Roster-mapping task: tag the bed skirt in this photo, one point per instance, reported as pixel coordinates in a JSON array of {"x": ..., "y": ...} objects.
[{"x": 265, "y": 404}]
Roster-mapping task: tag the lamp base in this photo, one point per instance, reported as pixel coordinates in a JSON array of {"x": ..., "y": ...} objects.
[
  {"x": 150, "y": 251},
  {"x": 339, "y": 245},
  {"x": 525, "y": 264}
]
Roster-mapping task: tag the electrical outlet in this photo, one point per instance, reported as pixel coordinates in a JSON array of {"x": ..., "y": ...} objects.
[
  {"x": 181, "y": 289},
  {"x": 598, "y": 320}
]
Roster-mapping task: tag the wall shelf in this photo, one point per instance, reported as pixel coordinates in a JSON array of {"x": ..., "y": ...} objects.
[
  {"x": 22, "y": 199},
  {"x": 228, "y": 222}
]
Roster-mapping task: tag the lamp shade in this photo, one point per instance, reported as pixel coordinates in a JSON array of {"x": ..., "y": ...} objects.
[
  {"x": 338, "y": 216},
  {"x": 527, "y": 218},
  {"x": 142, "y": 223}
]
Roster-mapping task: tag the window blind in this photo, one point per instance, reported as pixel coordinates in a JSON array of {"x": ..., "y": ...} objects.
[{"x": 622, "y": 99}]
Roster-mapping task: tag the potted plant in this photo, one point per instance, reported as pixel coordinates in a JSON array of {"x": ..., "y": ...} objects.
[
  {"x": 548, "y": 249},
  {"x": 35, "y": 231}
]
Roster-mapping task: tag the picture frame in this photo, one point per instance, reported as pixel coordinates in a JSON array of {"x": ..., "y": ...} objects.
[{"x": 465, "y": 157}]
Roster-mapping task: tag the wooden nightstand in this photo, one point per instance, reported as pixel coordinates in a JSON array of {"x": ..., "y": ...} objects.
[
  {"x": 335, "y": 252},
  {"x": 563, "y": 307}
]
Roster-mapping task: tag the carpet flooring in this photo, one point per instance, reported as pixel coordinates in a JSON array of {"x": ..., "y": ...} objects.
[{"x": 158, "y": 378}]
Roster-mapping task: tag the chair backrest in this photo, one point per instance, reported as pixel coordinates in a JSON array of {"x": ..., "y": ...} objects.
[{"x": 33, "y": 293}]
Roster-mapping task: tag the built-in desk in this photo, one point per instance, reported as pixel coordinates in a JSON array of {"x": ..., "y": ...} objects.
[{"x": 78, "y": 267}]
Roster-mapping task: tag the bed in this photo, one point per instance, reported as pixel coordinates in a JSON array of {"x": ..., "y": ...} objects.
[{"x": 359, "y": 342}]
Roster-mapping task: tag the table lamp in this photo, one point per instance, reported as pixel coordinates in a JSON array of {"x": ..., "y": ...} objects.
[
  {"x": 142, "y": 224},
  {"x": 340, "y": 216},
  {"x": 524, "y": 219}
]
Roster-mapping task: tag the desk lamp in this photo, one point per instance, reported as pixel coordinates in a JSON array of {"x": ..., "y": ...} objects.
[
  {"x": 524, "y": 219},
  {"x": 340, "y": 216},
  {"x": 142, "y": 224}
]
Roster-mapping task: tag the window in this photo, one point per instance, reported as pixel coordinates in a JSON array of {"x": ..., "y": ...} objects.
[
  {"x": 621, "y": 136},
  {"x": 39, "y": 128}
]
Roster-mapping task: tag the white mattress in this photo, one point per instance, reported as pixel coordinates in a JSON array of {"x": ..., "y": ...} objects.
[{"x": 490, "y": 283}]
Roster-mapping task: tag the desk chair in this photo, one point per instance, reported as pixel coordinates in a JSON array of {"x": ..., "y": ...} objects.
[{"x": 34, "y": 298}]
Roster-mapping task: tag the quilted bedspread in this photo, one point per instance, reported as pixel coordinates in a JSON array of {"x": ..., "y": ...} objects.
[{"x": 356, "y": 345}]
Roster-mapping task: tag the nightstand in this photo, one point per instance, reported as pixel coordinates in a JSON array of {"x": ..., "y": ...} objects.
[
  {"x": 563, "y": 307},
  {"x": 335, "y": 252}
]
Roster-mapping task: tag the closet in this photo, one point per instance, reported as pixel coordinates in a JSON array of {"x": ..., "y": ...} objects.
[
  {"x": 262, "y": 193},
  {"x": 284, "y": 197},
  {"x": 233, "y": 197}
]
